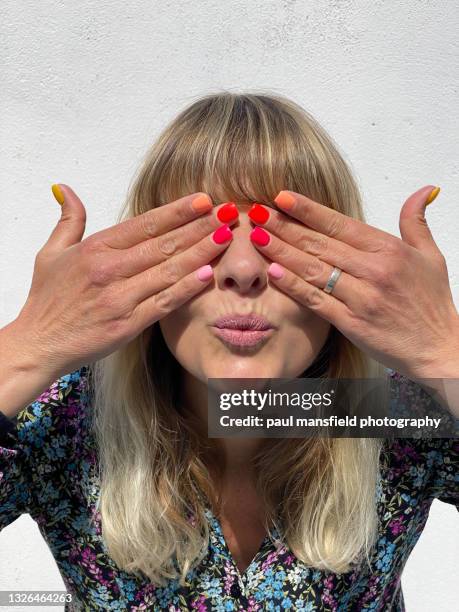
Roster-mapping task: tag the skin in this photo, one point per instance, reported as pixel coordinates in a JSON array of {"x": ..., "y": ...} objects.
[
  {"x": 393, "y": 300},
  {"x": 240, "y": 285},
  {"x": 89, "y": 297}
]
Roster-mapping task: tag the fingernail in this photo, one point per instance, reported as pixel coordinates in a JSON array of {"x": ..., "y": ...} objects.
[
  {"x": 201, "y": 203},
  {"x": 433, "y": 195},
  {"x": 204, "y": 273},
  {"x": 284, "y": 200},
  {"x": 258, "y": 213},
  {"x": 275, "y": 270},
  {"x": 57, "y": 192},
  {"x": 222, "y": 234},
  {"x": 259, "y": 236},
  {"x": 228, "y": 212}
]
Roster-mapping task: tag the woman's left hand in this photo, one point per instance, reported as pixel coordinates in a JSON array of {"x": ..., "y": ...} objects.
[{"x": 392, "y": 300}]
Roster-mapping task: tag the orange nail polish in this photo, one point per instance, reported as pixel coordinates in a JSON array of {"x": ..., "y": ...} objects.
[
  {"x": 433, "y": 195},
  {"x": 201, "y": 203},
  {"x": 284, "y": 200}
]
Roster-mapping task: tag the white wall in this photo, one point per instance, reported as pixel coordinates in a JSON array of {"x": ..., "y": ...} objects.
[{"x": 86, "y": 86}]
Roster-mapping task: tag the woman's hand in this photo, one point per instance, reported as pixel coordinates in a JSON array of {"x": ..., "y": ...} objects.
[
  {"x": 392, "y": 299},
  {"x": 89, "y": 297}
]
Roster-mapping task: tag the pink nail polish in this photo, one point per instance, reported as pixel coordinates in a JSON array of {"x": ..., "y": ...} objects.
[
  {"x": 222, "y": 234},
  {"x": 275, "y": 270},
  {"x": 204, "y": 273},
  {"x": 259, "y": 236}
]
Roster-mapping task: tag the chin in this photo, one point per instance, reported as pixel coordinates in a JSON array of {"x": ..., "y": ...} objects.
[{"x": 242, "y": 367}]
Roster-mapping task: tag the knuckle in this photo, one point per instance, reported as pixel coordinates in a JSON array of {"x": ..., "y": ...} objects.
[
  {"x": 336, "y": 225},
  {"x": 183, "y": 212},
  {"x": 393, "y": 248},
  {"x": 119, "y": 326},
  {"x": 374, "y": 245},
  {"x": 280, "y": 249},
  {"x": 170, "y": 271},
  {"x": 314, "y": 267},
  {"x": 167, "y": 245},
  {"x": 314, "y": 298},
  {"x": 369, "y": 306},
  {"x": 92, "y": 250},
  {"x": 381, "y": 276},
  {"x": 441, "y": 260},
  {"x": 385, "y": 273},
  {"x": 149, "y": 224},
  {"x": 165, "y": 301},
  {"x": 278, "y": 223},
  {"x": 100, "y": 273},
  {"x": 42, "y": 256},
  {"x": 205, "y": 250},
  {"x": 314, "y": 244},
  {"x": 91, "y": 247}
]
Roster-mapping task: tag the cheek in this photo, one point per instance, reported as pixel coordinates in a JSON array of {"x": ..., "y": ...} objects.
[{"x": 181, "y": 334}]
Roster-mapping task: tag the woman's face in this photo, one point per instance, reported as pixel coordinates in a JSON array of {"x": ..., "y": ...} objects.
[{"x": 240, "y": 287}]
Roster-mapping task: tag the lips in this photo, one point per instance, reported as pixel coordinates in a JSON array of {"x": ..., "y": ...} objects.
[{"x": 243, "y": 330}]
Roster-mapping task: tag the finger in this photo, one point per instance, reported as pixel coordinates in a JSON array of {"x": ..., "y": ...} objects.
[
  {"x": 156, "y": 221},
  {"x": 159, "y": 305},
  {"x": 306, "y": 240},
  {"x": 413, "y": 225},
  {"x": 323, "y": 304},
  {"x": 171, "y": 271},
  {"x": 309, "y": 268},
  {"x": 149, "y": 253},
  {"x": 72, "y": 222},
  {"x": 331, "y": 222}
]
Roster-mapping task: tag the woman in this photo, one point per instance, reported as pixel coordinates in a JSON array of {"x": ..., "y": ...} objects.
[{"x": 140, "y": 508}]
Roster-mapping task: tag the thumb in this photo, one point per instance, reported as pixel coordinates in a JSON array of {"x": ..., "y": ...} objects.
[
  {"x": 72, "y": 223},
  {"x": 413, "y": 225}
]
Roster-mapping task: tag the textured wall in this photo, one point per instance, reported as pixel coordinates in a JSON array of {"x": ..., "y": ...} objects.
[{"x": 87, "y": 86}]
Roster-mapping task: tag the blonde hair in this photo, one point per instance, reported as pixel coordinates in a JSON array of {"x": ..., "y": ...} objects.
[{"x": 155, "y": 482}]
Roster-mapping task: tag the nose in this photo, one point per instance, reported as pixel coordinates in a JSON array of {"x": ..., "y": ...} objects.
[{"x": 241, "y": 267}]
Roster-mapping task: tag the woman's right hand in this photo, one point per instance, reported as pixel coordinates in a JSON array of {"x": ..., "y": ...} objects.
[{"x": 89, "y": 297}]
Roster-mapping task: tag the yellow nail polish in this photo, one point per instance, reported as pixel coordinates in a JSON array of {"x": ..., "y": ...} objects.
[
  {"x": 57, "y": 192},
  {"x": 433, "y": 195}
]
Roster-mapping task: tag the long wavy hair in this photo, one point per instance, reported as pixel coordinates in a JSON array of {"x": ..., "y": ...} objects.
[{"x": 153, "y": 460}]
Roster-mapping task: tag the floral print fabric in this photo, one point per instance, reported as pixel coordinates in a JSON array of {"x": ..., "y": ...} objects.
[{"x": 48, "y": 469}]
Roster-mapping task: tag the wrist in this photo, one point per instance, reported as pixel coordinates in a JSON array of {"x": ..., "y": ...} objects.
[
  {"x": 24, "y": 371},
  {"x": 26, "y": 352},
  {"x": 443, "y": 362}
]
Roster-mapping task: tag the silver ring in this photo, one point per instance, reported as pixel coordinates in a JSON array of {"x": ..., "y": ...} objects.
[{"x": 332, "y": 280}]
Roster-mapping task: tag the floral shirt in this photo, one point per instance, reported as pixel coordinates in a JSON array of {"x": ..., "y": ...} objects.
[{"x": 47, "y": 469}]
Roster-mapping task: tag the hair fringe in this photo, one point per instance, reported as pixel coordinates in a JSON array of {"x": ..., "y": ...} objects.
[{"x": 155, "y": 480}]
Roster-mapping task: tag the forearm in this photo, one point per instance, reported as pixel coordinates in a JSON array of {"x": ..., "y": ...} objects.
[{"x": 24, "y": 374}]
